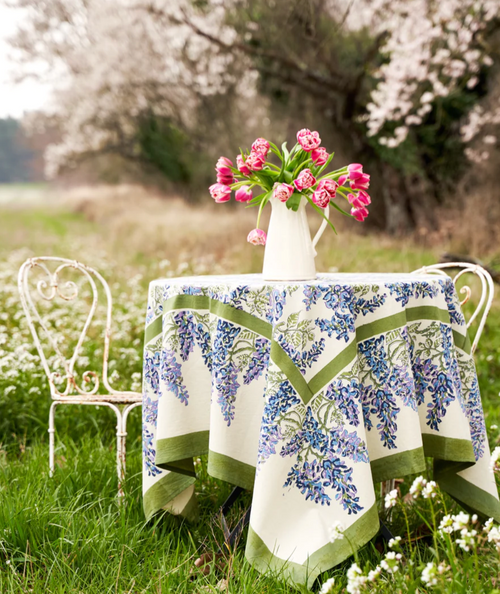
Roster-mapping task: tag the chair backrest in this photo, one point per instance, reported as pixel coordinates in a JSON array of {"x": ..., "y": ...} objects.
[
  {"x": 487, "y": 290},
  {"x": 49, "y": 286}
]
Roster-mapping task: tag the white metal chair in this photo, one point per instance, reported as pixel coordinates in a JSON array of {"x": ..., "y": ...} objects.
[
  {"x": 65, "y": 387},
  {"x": 482, "y": 309}
]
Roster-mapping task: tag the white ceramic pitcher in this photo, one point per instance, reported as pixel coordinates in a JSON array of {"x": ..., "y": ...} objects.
[{"x": 290, "y": 253}]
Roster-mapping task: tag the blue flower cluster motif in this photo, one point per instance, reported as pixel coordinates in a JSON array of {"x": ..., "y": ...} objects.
[
  {"x": 347, "y": 396},
  {"x": 171, "y": 374},
  {"x": 346, "y": 304},
  {"x": 326, "y": 471},
  {"x": 224, "y": 370},
  {"x": 259, "y": 360},
  {"x": 414, "y": 289},
  {"x": 149, "y": 453},
  {"x": 303, "y": 359}
]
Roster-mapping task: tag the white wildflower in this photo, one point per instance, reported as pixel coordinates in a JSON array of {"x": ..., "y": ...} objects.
[
  {"x": 446, "y": 525},
  {"x": 460, "y": 521},
  {"x": 391, "y": 499},
  {"x": 417, "y": 486},
  {"x": 468, "y": 539},
  {"x": 494, "y": 427},
  {"x": 336, "y": 531},
  {"x": 355, "y": 579},
  {"x": 429, "y": 490},
  {"x": 391, "y": 561},
  {"x": 431, "y": 573},
  {"x": 394, "y": 542},
  {"x": 374, "y": 574},
  {"x": 488, "y": 525},
  {"x": 327, "y": 586},
  {"x": 494, "y": 460}
]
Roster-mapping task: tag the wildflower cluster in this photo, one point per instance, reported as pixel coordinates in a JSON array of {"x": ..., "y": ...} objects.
[{"x": 300, "y": 175}]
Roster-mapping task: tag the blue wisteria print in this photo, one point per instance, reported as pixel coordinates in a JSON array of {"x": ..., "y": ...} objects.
[
  {"x": 450, "y": 295},
  {"x": 171, "y": 375},
  {"x": 149, "y": 410},
  {"x": 259, "y": 360},
  {"x": 321, "y": 453},
  {"x": 294, "y": 336},
  {"x": 224, "y": 370},
  {"x": 149, "y": 453},
  {"x": 347, "y": 303},
  {"x": 403, "y": 292},
  {"x": 347, "y": 397},
  {"x": 280, "y": 398},
  {"x": 185, "y": 331},
  {"x": 151, "y": 369}
]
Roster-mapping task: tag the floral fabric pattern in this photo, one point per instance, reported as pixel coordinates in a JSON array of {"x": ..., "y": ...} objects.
[{"x": 323, "y": 377}]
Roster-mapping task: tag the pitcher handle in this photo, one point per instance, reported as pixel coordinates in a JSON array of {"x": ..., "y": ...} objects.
[{"x": 320, "y": 230}]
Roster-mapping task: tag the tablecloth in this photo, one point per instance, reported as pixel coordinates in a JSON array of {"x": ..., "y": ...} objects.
[{"x": 308, "y": 393}]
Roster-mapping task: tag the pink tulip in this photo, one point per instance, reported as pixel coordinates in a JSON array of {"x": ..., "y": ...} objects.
[
  {"x": 226, "y": 180},
  {"x": 260, "y": 146},
  {"x": 223, "y": 166},
  {"x": 257, "y": 237},
  {"x": 329, "y": 185},
  {"x": 244, "y": 194},
  {"x": 321, "y": 198},
  {"x": 308, "y": 140},
  {"x": 354, "y": 168},
  {"x": 359, "y": 214},
  {"x": 282, "y": 192},
  {"x": 220, "y": 192},
  {"x": 304, "y": 180},
  {"x": 342, "y": 179},
  {"x": 255, "y": 161},
  {"x": 355, "y": 201},
  {"x": 362, "y": 183},
  {"x": 364, "y": 197},
  {"x": 242, "y": 168},
  {"x": 319, "y": 156}
]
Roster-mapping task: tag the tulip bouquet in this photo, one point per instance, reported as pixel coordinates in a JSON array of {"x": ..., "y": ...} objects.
[{"x": 299, "y": 174}]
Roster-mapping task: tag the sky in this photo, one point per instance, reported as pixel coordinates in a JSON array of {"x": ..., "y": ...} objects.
[{"x": 16, "y": 99}]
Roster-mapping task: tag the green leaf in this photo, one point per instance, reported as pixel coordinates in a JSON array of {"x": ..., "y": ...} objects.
[
  {"x": 258, "y": 199},
  {"x": 344, "y": 212},
  {"x": 266, "y": 179},
  {"x": 288, "y": 177},
  {"x": 286, "y": 154},
  {"x": 293, "y": 202}
]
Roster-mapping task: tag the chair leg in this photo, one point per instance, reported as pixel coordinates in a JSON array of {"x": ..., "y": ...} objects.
[
  {"x": 122, "y": 444},
  {"x": 51, "y": 430}
]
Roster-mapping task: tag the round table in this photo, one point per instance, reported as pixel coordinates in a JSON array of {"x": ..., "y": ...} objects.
[{"x": 308, "y": 393}]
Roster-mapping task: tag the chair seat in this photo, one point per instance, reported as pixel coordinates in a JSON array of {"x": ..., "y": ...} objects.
[{"x": 118, "y": 398}]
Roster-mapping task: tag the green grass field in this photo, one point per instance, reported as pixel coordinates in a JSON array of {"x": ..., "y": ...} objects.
[{"x": 69, "y": 534}]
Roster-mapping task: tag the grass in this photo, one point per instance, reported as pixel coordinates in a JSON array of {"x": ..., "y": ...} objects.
[{"x": 69, "y": 534}]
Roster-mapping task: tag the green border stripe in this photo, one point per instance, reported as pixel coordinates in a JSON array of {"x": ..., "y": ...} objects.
[
  {"x": 462, "y": 342},
  {"x": 448, "y": 448},
  {"x": 287, "y": 366},
  {"x": 383, "y": 325},
  {"x": 427, "y": 312},
  {"x": 333, "y": 368},
  {"x": 231, "y": 470},
  {"x": 153, "y": 330},
  {"x": 259, "y": 555},
  {"x": 243, "y": 318},
  {"x": 401, "y": 464},
  {"x": 222, "y": 310},
  {"x": 186, "y": 302},
  {"x": 164, "y": 490},
  {"x": 175, "y": 449},
  {"x": 467, "y": 494}
]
